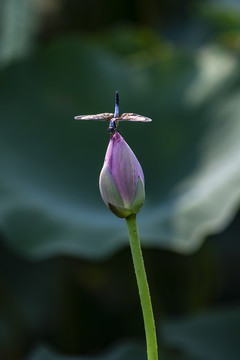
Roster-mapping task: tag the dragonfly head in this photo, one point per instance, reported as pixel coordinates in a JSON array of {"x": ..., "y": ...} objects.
[{"x": 112, "y": 129}]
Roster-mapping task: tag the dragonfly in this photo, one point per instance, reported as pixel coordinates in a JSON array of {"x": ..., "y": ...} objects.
[{"x": 114, "y": 118}]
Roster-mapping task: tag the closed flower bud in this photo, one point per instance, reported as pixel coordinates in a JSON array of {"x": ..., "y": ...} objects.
[{"x": 121, "y": 180}]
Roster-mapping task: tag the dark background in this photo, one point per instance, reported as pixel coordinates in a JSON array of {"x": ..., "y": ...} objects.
[{"x": 66, "y": 277}]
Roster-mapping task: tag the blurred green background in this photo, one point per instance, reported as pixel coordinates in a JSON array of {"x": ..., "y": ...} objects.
[{"x": 68, "y": 289}]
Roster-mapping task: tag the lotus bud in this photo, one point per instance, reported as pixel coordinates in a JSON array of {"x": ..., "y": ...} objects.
[{"x": 121, "y": 180}]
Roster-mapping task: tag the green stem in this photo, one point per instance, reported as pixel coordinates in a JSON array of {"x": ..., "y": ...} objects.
[{"x": 143, "y": 288}]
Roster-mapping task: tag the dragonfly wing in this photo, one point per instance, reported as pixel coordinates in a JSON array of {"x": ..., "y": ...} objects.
[
  {"x": 98, "y": 117},
  {"x": 133, "y": 117}
]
